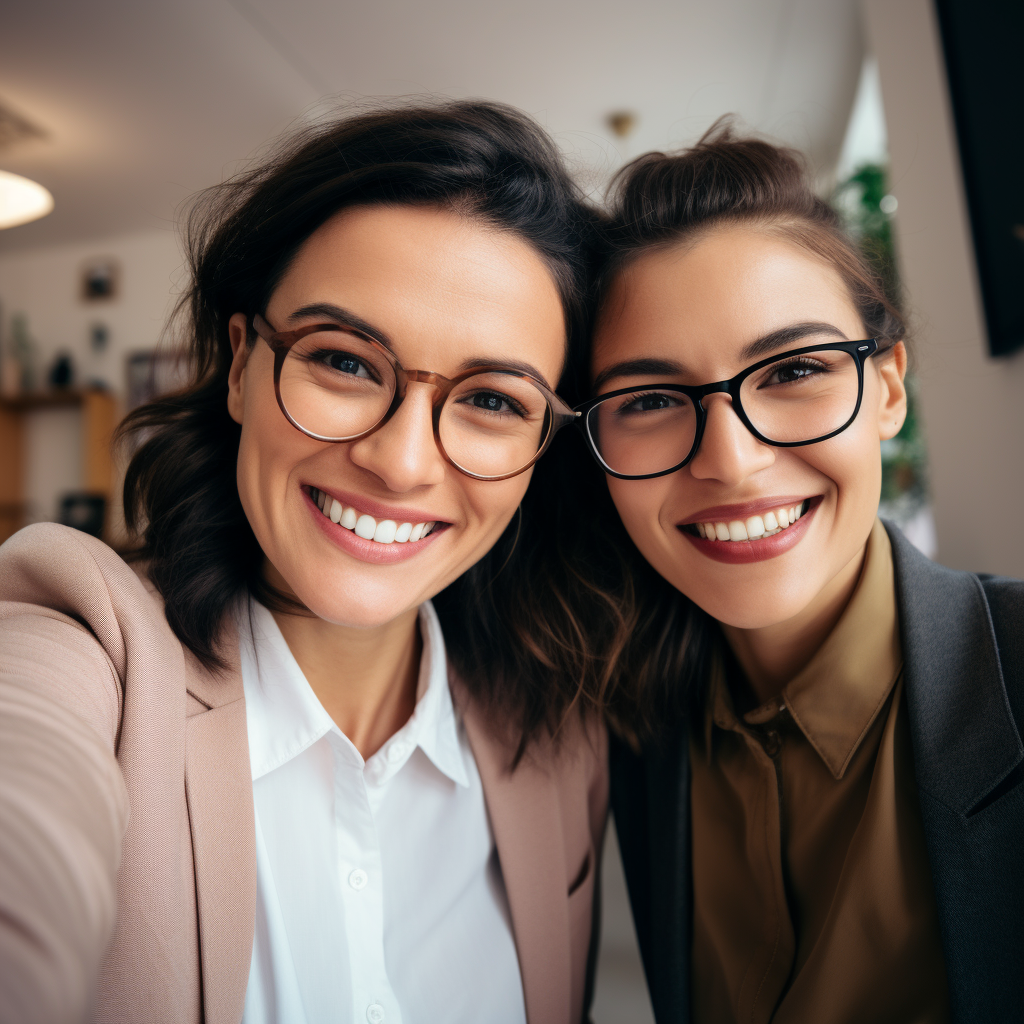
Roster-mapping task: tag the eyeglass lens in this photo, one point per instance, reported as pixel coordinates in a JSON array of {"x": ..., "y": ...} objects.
[
  {"x": 791, "y": 401},
  {"x": 338, "y": 387}
]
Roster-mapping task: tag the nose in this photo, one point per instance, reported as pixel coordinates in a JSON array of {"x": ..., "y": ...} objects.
[
  {"x": 403, "y": 453},
  {"x": 728, "y": 452}
]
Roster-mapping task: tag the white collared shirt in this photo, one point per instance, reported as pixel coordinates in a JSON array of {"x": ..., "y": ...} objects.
[{"x": 379, "y": 895}]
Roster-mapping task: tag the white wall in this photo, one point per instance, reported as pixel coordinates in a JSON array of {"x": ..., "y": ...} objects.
[
  {"x": 43, "y": 284},
  {"x": 972, "y": 405}
]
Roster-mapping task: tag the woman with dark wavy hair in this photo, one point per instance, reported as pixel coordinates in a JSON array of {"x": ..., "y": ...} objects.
[
  {"x": 819, "y": 794},
  {"x": 257, "y": 776}
]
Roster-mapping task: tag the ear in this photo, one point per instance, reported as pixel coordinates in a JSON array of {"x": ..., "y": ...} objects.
[
  {"x": 238, "y": 329},
  {"x": 892, "y": 400}
]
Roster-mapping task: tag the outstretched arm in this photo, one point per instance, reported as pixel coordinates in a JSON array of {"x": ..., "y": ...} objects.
[{"x": 63, "y": 811}]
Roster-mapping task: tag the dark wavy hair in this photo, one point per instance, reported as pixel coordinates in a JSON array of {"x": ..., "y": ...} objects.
[
  {"x": 657, "y": 657},
  {"x": 509, "y": 628}
]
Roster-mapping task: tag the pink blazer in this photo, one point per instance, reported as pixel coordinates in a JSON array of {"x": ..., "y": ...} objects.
[{"x": 127, "y": 851}]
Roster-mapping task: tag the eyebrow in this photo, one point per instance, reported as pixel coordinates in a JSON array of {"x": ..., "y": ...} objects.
[
  {"x": 346, "y": 318},
  {"x": 767, "y": 343},
  {"x": 507, "y": 364},
  {"x": 638, "y": 368},
  {"x": 343, "y": 317}
]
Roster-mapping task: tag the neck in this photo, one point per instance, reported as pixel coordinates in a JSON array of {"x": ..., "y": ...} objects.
[
  {"x": 364, "y": 678},
  {"x": 771, "y": 656}
]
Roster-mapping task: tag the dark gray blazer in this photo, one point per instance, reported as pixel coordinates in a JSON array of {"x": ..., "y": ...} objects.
[{"x": 963, "y": 648}]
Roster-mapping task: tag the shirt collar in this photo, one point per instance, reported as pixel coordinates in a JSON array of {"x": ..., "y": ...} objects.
[
  {"x": 433, "y": 725},
  {"x": 836, "y": 697},
  {"x": 285, "y": 718}
]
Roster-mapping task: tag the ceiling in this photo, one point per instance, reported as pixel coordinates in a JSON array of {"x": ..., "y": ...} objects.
[{"x": 143, "y": 103}]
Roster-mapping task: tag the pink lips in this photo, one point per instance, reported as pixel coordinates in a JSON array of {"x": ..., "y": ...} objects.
[
  {"x": 368, "y": 550},
  {"x": 742, "y": 552}
]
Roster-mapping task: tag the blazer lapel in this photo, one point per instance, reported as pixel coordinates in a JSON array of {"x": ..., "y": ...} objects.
[
  {"x": 527, "y": 826},
  {"x": 218, "y": 788},
  {"x": 651, "y": 807},
  {"x": 967, "y": 753},
  {"x": 964, "y": 736}
]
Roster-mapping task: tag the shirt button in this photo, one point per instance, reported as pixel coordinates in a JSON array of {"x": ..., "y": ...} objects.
[
  {"x": 375, "y": 1013},
  {"x": 397, "y": 752},
  {"x": 358, "y": 880},
  {"x": 772, "y": 743}
]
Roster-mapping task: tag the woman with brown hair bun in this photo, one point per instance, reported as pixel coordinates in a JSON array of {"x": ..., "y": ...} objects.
[
  {"x": 257, "y": 776},
  {"x": 820, "y": 795}
]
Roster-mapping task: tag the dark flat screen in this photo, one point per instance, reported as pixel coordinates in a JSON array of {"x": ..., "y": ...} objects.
[{"x": 984, "y": 48}]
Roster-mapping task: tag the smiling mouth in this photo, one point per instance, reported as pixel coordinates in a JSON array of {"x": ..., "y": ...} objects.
[
  {"x": 756, "y": 527},
  {"x": 381, "y": 531}
]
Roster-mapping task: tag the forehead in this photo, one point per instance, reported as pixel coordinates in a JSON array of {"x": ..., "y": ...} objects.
[
  {"x": 437, "y": 282},
  {"x": 717, "y": 294}
]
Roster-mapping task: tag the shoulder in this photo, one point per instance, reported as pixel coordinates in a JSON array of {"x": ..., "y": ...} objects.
[
  {"x": 1005, "y": 598},
  {"x": 1005, "y": 595},
  {"x": 580, "y": 745},
  {"x": 972, "y": 606},
  {"x": 50, "y": 560},
  {"x": 574, "y": 762},
  {"x": 52, "y": 572}
]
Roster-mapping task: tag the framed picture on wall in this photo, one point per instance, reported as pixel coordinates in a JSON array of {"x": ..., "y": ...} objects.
[
  {"x": 153, "y": 374},
  {"x": 100, "y": 279}
]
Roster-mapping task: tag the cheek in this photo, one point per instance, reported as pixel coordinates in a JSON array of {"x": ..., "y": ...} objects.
[
  {"x": 639, "y": 504},
  {"x": 269, "y": 450},
  {"x": 491, "y": 505},
  {"x": 853, "y": 462}
]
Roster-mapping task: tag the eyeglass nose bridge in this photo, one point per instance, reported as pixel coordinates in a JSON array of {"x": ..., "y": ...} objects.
[
  {"x": 722, "y": 387},
  {"x": 403, "y": 378},
  {"x": 442, "y": 387},
  {"x": 425, "y": 377}
]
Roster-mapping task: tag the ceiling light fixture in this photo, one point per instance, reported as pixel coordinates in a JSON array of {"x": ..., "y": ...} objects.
[{"x": 21, "y": 200}]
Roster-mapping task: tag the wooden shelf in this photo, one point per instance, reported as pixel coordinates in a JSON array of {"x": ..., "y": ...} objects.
[
  {"x": 99, "y": 418},
  {"x": 45, "y": 400}
]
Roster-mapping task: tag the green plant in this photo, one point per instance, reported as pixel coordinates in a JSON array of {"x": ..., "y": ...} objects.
[{"x": 866, "y": 207}]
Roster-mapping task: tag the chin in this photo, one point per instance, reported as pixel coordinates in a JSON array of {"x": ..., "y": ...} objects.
[
  {"x": 749, "y": 606},
  {"x": 353, "y": 603},
  {"x": 747, "y": 617}
]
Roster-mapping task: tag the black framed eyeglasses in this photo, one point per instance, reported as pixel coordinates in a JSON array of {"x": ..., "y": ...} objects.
[
  {"x": 797, "y": 398},
  {"x": 335, "y": 383}
]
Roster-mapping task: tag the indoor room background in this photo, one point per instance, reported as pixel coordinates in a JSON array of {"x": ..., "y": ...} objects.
[{"x": 123, "y": 110}]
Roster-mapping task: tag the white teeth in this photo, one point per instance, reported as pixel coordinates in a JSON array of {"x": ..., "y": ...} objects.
[
  {"x": 385, "y": 532},
  {"x": 737, "y": 531},
  {"x": 754, "y": 528}
]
